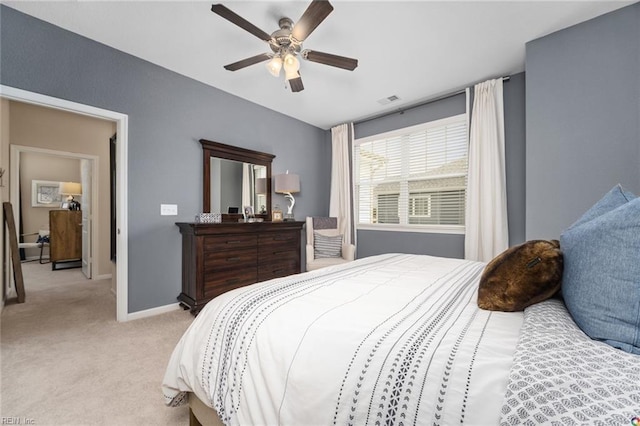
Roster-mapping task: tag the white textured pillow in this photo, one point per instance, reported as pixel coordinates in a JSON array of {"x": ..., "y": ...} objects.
[{"x": 326, "y": 245}]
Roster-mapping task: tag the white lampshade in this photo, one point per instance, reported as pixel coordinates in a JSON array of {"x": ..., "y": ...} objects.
[
  {"x": 274, "y": 66},
  {"x": 291, "y": 64},
  {"x": 70, "y": 188},
  {"x": 287, "y": 183}
]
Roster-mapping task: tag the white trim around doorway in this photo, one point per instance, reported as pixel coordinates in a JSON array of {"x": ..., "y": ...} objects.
[{"x": 122, "y": 233}]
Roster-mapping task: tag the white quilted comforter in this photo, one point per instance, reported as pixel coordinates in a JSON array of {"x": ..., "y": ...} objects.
[{"x": 389, "y": 339}]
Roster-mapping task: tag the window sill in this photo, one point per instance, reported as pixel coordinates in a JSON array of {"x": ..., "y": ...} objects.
[{"x": 424, "y": 229}]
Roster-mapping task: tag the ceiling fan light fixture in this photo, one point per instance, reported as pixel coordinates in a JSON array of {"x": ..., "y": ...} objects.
[
  {"x": 274, "y": 66},
  {"x": 291, "y": 64}
]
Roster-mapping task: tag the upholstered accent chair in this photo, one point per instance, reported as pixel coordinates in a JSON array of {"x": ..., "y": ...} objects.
[
  {"x": 41, "y": 242},
  {"x": 325, "y": 244}
]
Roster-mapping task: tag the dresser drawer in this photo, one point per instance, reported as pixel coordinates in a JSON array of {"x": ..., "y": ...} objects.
[
  {"x": 275, "y": 253},
  {"x": 286, "y": 239},
  {"x": 281, "y": 268},
  {"x": 222, "y": 280},
  {"x": 216, "y": 243},
  {"x": 231, "y": 258},
  {"x": 273, "y": 246}
]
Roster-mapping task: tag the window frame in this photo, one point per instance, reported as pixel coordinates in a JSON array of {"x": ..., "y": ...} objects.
[{"x": 418, "y": 228}]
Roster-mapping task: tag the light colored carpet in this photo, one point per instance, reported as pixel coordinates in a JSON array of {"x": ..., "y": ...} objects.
[{"x": 66, "y": 361}]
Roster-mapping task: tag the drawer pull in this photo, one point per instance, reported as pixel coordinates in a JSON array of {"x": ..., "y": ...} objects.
[
  {"x": 233, "y": 281},
  {"x": 281, "y": 238},
  {"x": 233, "y": 259},
  {"x": 277, "y": 271},
  {"x": 234, "y": 242}
]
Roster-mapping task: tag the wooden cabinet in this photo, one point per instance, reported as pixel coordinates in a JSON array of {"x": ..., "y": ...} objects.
[
  {"x": 65, "y": 239},
  {"x": 218, "y": 257}
]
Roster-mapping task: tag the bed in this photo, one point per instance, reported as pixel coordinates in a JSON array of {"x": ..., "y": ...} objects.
[{"x": 394, "y": 339}]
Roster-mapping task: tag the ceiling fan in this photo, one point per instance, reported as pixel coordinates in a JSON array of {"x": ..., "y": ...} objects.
[{"x": 286, "y": 43}]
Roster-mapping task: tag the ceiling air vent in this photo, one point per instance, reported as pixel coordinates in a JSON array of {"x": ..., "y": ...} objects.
[{"x": 388, "y": 100}]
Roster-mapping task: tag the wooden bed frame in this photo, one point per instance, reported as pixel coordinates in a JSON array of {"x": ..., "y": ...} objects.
[{"x": 201, "y": 414}]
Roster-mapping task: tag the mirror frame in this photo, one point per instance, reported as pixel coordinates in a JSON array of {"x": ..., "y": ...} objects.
[{"x": 219, "y": 150}]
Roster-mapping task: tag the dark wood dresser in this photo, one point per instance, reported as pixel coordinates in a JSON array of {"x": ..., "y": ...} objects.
[{"x": 218, "y": 257}]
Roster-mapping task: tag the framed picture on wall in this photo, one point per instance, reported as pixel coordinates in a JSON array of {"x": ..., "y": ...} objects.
[{"x": 45, "y": 193}]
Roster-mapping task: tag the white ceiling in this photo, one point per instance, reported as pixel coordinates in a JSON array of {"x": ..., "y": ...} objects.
[{"x": 415, "y": 50}]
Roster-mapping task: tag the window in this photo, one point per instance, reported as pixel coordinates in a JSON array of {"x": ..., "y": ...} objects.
[
  {"x": 388, "y": 208},
  {"x": 413, "y": 178},
  {"x": 419, "y": 206}
]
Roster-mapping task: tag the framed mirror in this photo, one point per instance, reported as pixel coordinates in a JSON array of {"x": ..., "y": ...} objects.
[{"x": 234, "y": 179}]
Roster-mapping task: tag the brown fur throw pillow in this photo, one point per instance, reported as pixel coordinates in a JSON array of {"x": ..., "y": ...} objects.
[{"x": 521, "y": 276}]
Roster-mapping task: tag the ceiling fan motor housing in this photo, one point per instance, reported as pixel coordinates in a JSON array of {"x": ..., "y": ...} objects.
[{"x": 281, "y": 40}]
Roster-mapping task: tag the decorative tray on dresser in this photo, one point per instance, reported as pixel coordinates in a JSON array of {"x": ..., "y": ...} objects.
[{"x": 218, "y": 257}]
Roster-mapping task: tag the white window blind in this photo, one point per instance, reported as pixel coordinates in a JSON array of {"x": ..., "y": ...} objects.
[{"x": 415, "y": 177}]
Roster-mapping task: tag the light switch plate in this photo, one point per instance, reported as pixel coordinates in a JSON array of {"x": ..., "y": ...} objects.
[{"x": 168, "y": 209}]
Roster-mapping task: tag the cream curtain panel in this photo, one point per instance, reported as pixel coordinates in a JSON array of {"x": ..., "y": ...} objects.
[
  {"x": 341, "y": 201},
  {"x": 247, "y": 196},
  {"x": 487, "y": 233}
]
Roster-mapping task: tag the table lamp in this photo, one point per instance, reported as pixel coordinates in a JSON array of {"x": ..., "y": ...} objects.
[
  {"x": 70, "y": 189},
  {"x": 288, "y": 184}
]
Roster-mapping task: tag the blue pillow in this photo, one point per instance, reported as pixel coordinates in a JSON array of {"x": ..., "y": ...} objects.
[{"x": 601, "y": 277}]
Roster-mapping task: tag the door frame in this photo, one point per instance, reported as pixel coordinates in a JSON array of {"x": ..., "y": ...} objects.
[
  {"x": 122, "y": 231},
  {"x": 18, "y": 150}
]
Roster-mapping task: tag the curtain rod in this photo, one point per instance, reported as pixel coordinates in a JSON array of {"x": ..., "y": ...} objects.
[{"x": 410, "y": 107}]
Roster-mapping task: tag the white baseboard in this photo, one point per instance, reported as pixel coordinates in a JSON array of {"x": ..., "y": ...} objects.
[{"x": 153, "y": 311}]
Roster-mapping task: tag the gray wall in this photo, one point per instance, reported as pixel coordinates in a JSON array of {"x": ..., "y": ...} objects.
[
  {"x": 514, "y": 153},
  {"x": 168, "y": 114},
  {"x": 583, "y": 118},
  {"x": 452, "y": 245},
  {"x": 437, "y": 110}
]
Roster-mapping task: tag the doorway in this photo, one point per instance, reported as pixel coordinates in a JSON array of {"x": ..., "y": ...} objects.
[
  {"x": 121, "y": 120},
  {"x": 87, "y": 166}
]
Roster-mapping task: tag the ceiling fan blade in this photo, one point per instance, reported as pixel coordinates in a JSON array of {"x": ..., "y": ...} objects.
[
  {"x": 329, "y": 59},
  {"x": 296, "y": 84},
  {"x": 234, "y": 18},
  {"x": 246, "y": 62},
  {"x": 311, "y": 18}
]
